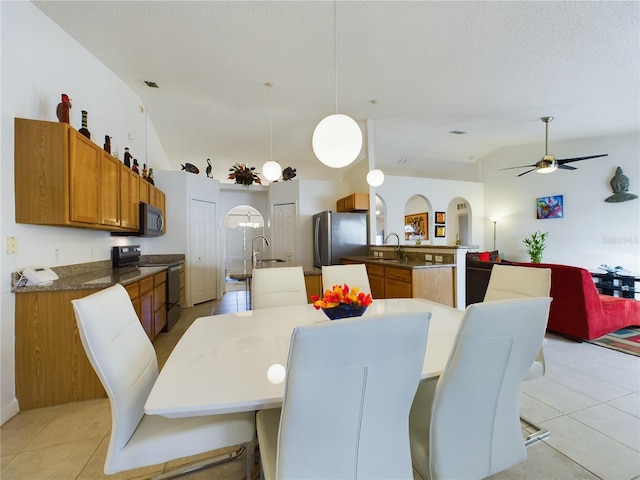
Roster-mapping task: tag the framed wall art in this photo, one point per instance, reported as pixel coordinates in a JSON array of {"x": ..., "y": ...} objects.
[
  {"x": 440, "y": 231},
  {"x": 415, "y": 226},
  {"x": 549, "y": 207},
  {"x": 441, "y": 218}
]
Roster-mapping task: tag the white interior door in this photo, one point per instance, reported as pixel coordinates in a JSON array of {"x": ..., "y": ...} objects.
[
  {"x": 463, "y": 229},
  {"x": 283, "y": 230},
  {"x": 203, "y": 259}
]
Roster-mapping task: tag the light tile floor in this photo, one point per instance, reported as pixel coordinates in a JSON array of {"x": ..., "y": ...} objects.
[{"x": 589, "y": 399}]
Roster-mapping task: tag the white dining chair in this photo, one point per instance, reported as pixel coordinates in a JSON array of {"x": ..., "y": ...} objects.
[
  {"x": 466, "y": 424},
  {"x": 348, "y": 391},
  {"x": 354, "y": 275},
  {"x": 125, "y": 361},
  {"x": 510, "y": 281},
  {"x": 278, "y": 287}
]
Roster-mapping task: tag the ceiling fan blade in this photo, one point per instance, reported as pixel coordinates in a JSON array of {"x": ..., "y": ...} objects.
[
  {"x": 566, "y": 167},
  {"x": 521, "y": 166},
  {"x": 524, "y": 173},
  {"x": 568, "y": 160}
]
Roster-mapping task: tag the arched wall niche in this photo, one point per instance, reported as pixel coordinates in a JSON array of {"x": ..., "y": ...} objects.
[
  {"x": 241, "y": 224},
  {"x": 380, "y": 219},
  {"x": 418, "y": 221},
  {"x": 459, "y": 224}
]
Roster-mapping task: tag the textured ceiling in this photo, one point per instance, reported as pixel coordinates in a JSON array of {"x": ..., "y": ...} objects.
[{"x": 490, "y": 69}]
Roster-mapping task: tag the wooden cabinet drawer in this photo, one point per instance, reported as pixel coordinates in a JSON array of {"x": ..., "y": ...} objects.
[
  {"x": 404, "y": 275},
  {"x": 397, "y": 289},
  {"x": 159, "y": 297},
  {"x": 159, "y": 278},
  {"x": 146, "y": 284},
  {"x": 133, "y": 289},
  {"x": 375, "y": 269}
]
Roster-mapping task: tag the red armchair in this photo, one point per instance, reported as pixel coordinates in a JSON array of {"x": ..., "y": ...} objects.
[{"x": 578, "y": 310}]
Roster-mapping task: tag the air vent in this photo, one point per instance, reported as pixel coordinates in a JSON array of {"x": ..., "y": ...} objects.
[
  {"x": 457, "y": 132},
  {"x": 402, "y": 161},
  {"x": 151, "y": 84}
]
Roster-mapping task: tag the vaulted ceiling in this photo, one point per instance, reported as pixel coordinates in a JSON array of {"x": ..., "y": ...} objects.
[{"x": 490, "y": 69}]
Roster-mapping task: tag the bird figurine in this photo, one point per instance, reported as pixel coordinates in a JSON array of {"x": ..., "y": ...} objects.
[
  {"x": 288, "y": 173},
  {"x": 191, "y": 168},
  {"x": 63, "y": 108},
  {"x": 209, "y": 168},
  {"x": 127, "y": 157}
]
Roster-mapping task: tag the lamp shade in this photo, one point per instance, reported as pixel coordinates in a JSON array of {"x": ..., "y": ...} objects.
[
  {"x": 375, "y": 177},
  {"x": 271, "y": 170},
  {"x": 337, "y": 140}
]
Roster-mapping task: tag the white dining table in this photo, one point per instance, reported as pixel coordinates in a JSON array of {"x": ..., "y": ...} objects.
[{"x": 221, "y": 362}]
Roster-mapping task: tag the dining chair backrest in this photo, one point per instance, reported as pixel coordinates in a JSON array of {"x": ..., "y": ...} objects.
[
  {"x": 277, "y": 287},
  {"x": 121, "y": 355},
  {"x": 354, "y": 275},
  {"x": 510, "y": 281},
  {"x": 473, "y": 425},
  {"x": 349, "y": 388},
  {"x": 507, "y": 282}
]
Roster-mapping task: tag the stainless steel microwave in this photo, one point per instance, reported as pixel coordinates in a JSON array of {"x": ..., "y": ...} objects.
[{"x": 151, "y": 221}]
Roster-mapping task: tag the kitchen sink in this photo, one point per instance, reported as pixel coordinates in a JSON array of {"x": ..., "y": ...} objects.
[{"x": 270, "y": 260}]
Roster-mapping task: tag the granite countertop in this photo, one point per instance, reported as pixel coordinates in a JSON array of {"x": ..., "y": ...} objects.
[
  {"x": 248, "y": 275},
  {"x": 97, "y": 279},
  {"x": 408, "y": 264}
]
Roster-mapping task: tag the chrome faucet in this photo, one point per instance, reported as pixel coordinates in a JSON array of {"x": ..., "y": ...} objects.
[
  {"x": 254, "y": 250},
  {"x": 397, "y": 249}
]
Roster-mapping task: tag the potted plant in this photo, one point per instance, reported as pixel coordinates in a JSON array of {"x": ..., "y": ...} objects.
[
  {"x": 536, "y": 243},
  {"x": 244, "y": 174}
]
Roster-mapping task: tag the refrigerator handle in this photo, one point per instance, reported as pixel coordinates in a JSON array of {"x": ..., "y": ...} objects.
[{"x": 316, "y": 243}]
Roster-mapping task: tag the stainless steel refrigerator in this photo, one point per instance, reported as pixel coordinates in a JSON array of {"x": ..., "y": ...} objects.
[{"x": 337, "y": 235}]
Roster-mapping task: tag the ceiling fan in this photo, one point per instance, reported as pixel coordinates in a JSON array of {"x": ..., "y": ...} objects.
[{"x": 549, "y": 163}]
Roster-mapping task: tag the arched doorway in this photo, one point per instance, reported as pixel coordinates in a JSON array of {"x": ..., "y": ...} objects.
[
  {"x": 241, "y": 224},
  {"x": 417, "y": 221}
]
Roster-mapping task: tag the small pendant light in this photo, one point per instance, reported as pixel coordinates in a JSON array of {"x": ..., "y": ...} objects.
[{"x": 271, "y": 169}]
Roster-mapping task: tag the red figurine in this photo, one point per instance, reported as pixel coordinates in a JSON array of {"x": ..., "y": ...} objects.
[
  {"x": 63, "y": 109},
  {"x": 134, "y": 167}
]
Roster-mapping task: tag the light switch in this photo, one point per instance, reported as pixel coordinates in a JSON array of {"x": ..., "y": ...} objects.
[{"x": 12, "y": 245}]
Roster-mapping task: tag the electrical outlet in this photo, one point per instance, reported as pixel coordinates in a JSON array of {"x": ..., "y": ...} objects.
[
  {"x": 57, "y": 255},
  {"x": 428, "y": 256},
  {"x": 12, "y": 245},
  {"x": 438, "y": 258}
]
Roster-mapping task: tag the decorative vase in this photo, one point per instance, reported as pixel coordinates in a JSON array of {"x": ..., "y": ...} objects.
[
  {"x": 84, "y": 131},
  {"x": 344, "y": 311}
]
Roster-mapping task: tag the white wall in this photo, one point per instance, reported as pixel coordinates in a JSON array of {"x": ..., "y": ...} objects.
[
  {"x": 592, "y": 232},
  {"x": 39, "y": 62},
  {"x": 397, "y": 191}
]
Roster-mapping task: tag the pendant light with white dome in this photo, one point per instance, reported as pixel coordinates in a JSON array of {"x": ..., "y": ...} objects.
[
  {"x": 271, "y": 169},
  {"x": 375, "y": 177},
  {"x": 337, "y": 139}
]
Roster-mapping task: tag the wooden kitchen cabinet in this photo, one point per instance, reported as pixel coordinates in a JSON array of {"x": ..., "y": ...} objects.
[
  {"x": 159, "y": 302},
  {"x": 51, "y": 365},
  {"x": 129, "y": 198},
  {"x": 313, "y": 283},
  {"x": 376, "y": 280},
  {"x": 144, "y": 187},
  {"x": 146, "y": 305},
  {"x": 62, "y": 178},
  {"x": 353, "y": 203},
  {"x": 398, "y": 282},
  {"x": 157, "y": 199}
]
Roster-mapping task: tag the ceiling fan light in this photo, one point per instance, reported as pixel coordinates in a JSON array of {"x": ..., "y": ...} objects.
[
  {"x": 375, "y": 177},
  {"x": 551, "y": 168},
  {"x": 271, "y": 170},
  {"x": 337, "y": 140}
]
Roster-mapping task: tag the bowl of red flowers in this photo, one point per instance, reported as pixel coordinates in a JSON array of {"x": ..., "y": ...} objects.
[{"x": 342, "y": 302}]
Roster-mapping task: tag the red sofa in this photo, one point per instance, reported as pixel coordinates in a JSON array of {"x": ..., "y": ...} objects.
[{"x": 578, "y": 310}]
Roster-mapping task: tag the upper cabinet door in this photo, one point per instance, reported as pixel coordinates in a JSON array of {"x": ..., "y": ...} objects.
[
  {"x": 84, "y": 180},
  {"x": 110, "y": 184}
]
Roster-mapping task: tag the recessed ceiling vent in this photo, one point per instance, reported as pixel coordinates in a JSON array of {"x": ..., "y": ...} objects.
[
  {"x": 403, "y": 161},
  {"x": 457, "y": 132},
  {"x": 151, "y": 84}
]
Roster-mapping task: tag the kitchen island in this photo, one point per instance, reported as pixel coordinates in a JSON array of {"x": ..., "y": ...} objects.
[{"x": 409, "y": 277}]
